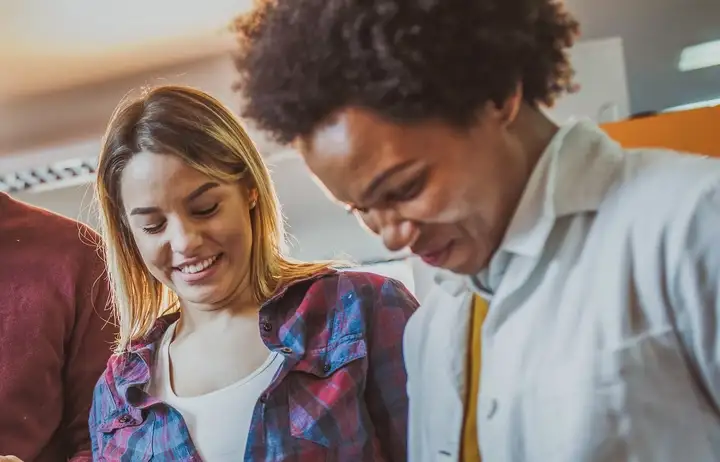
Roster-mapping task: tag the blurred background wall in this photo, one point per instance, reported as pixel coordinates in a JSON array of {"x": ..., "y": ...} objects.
[{"x": 64, "y": 65}]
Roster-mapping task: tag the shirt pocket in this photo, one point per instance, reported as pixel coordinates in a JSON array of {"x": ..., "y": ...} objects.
[
  {"x": 568, "y": 420},
  {"x": 125, "y": 439},
  {"x": 638, "y": 402},
  {"x": 663, "y": 406},
  {"x": 326, "y": 404}
]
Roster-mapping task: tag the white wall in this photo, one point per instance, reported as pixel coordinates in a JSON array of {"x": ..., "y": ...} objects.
[
  {"x": 75, "y": 202},
  {"x": 601, "y": 75}
]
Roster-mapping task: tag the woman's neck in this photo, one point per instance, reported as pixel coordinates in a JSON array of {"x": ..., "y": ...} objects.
[{"x": 204, "y": 318}]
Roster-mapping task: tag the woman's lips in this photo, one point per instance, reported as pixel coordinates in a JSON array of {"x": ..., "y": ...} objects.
[{"x": 205, "y": 273}]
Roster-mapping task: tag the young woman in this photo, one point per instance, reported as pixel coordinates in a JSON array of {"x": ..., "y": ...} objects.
[
  {"x": 601, "y": 266},
  {"x": 228, "y": 350}
]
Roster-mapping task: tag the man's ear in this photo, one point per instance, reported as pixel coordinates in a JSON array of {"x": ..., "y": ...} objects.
[
  {"x": 506, "y": 112},
  {"x": 511, "y": 106}
]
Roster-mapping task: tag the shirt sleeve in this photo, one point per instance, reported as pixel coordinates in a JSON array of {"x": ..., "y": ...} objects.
[
  {"x": 695, "y": 290},
  {"x": 87, "y": 355},
  {"x": 386, "y": 392},
  {"x": 99, "y": 406}
]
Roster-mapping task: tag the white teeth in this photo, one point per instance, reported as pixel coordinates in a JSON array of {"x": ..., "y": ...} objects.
[{"x": 197, "y": 267}]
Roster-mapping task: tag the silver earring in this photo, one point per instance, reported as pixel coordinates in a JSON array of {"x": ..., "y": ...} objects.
[{"x": 252, "y": 205}]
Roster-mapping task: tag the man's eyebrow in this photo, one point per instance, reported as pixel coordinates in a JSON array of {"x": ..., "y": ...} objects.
[{"x": 383, "y": 177}]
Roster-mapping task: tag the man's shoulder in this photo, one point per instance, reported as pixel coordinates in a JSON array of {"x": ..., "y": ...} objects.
[
  {"x": 661, "y": 175},
  {"x": 654, "y": 212},
  {"x": 659, "y": 188}
]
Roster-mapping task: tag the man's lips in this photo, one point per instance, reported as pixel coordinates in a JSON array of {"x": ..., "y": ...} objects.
[{"x": 434, "y": 256}]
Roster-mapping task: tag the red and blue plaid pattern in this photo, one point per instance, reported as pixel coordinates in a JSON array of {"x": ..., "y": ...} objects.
[{"x": 340, "y": 395}]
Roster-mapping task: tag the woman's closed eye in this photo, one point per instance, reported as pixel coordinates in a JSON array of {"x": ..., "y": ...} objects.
[
  {"x": 153, "y": 228},
  {"x": 203, "y": 212}
]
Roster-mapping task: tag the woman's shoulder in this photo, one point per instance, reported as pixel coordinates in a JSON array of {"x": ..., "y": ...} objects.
[
  {"x": 369, "y": 287},
  {"x": 349, "y": 300},
  {"x": 124, "y": 367}
]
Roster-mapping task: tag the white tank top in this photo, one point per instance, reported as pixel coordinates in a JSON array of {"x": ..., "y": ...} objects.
[{"x": 219, "y": 421}]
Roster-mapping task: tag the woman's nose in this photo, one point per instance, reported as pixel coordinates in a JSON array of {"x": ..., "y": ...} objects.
[{"x": 186, "y": 239}]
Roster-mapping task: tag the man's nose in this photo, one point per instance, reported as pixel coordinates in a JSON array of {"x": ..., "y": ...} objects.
[{"x": 395, "y": 231}]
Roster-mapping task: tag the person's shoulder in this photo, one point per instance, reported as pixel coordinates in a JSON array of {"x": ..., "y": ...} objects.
[
  {"x": 349, "y": 284},
  {"x": 663, "y": 196},
  {"x": 656, "y": 175},
  {"x": 124, "y": 367},
  {"x": 355, "y": 298},
  {"x": 109, "y": 400},
  {"x": 45, "y": 229},
  {"x": 107, "y": 388},
  {"x": 659, "y": 187}
]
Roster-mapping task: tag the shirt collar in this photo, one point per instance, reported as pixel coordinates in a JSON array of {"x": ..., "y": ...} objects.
[
  {"x": 574, "y": 175},
  {"x": 131, "y": 370},
  {"x": 141, "y": 346}
]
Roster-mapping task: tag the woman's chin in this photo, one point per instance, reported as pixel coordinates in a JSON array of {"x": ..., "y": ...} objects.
[{"x": 204, "y": 299}]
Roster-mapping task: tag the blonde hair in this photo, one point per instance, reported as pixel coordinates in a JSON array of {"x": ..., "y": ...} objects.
[{"x": 200, "y": 130}]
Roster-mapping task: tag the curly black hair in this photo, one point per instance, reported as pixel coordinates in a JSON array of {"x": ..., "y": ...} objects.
[{"x": 407, "y": 60}]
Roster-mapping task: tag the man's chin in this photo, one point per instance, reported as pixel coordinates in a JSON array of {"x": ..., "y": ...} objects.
[{"x": 459, "y": 263}]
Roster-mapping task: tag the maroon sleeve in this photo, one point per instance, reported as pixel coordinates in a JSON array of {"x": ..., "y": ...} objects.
[{"x": 89, "y": 349}]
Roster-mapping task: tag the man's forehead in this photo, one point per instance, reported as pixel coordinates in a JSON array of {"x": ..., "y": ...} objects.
[
  {"x": 339, "y": 147},
  {"x": 332, "y": 139},
  {"x": 351, "y": 149}
]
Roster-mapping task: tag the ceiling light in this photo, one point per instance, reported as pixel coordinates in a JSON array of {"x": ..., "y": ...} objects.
[
  {"x": 698, "y": 105},
  {"x": 700, "y": 56}
]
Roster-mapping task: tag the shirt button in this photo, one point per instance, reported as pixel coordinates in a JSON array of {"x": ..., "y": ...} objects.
[
  {"x": 326, "y": 368},
  {"x": 286, "y": 350},
  {"x": 124, "y": 419},
  {"x": 266, "y": 326},
  {"x": 492, "y": 409}
]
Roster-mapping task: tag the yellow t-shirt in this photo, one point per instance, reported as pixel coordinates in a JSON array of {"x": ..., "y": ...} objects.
[{"x": 470, "y": 447}]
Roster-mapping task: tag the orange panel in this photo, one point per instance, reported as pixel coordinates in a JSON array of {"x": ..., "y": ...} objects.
[{"x": 697, "y": 130}]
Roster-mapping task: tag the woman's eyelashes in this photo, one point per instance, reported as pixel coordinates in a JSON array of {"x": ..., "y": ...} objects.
[
  {"x": 200, "y": 213},
  {"x": 153, "y": 229},
  {"x": 207, "y": 211}
]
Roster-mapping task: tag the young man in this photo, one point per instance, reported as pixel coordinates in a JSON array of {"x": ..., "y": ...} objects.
[
  {"x": 56, "y": 333},
  {"x": 601, "y": 266}
]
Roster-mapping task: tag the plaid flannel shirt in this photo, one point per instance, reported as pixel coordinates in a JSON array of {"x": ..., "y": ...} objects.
[{"x": 339, "y": 396}]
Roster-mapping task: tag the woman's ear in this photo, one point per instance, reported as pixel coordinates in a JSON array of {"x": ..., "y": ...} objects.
[{"x": 253, "y": 197}]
